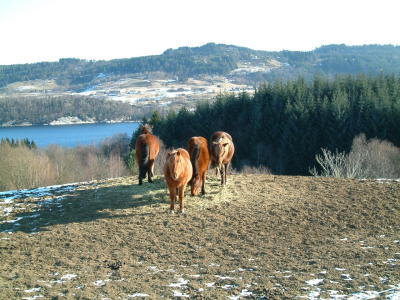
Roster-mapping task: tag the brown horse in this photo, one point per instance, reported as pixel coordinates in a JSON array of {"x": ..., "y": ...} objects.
[
  {"x": 221, "y": 150},
  {"x": 178, "y": 172},
  {"x": 200, "y": 158},
  {"x": 147, "y": 148}
]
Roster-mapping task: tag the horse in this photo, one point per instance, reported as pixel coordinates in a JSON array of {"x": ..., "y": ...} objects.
[
  {"x": 177, "y": 172},
  {"x": 147, "y": 147},
  {"x": 221, "y": 150},
  {"x": 200, "y": 158}
]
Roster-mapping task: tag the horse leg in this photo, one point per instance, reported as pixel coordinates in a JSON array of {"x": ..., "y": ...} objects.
[
  {"x": 142, "y": 173},
  {"x": 172, "y": 197},
  {"x": 181, "y": 192},
  {"x": 226, "y": 171},
  {"x": 221, "y": 170},
  {"x": 150, "y": 172},
  {"x": 203, "y": 183}
]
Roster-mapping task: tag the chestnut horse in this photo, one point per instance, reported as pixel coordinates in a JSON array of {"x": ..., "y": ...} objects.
[
  {"x": 221, "y": 150},
  {"x": 147, "y": 148},
  {"x": 200, "y": 158},
  {"x": 178, "y": 172}
]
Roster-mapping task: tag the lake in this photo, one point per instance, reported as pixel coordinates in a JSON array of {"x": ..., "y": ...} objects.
[{"x": 68, "y": 135}]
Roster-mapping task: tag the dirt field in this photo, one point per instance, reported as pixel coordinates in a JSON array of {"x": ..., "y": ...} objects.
[{"x": 260, "y": 237}]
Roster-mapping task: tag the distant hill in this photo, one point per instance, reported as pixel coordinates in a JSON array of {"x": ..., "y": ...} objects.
[
  {"x": 237, "y": 63},
  {"x": 43, "y": 92}
]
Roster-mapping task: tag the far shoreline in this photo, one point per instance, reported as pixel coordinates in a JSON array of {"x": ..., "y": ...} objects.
[{"x": 65, "y": 123}]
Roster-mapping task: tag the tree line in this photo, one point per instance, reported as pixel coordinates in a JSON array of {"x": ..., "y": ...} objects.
[
  {"x": 44, "y": 109},
  {"x": 284, "y": 125}
]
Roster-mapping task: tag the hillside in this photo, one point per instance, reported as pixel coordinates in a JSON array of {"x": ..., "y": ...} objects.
[
  {"x": 267, "y": 236},
  {"x": 182, "y": 77}
]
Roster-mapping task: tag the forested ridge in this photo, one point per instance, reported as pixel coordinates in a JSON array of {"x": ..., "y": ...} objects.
[
  {"x": 285, "y": 124},
  {"x": 43, "y": 110},
  {"x": 216, "y": 59}
]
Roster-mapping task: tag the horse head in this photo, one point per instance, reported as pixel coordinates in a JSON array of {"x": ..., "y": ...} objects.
[
  {"x": 146, "y": 128},
  {"x": 174, "y": 161},
  {"x": 220, "y": 148}
]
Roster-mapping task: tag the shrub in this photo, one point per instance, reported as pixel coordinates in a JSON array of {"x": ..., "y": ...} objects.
[
  {"x": 367, "y": 159},
  {"x": 23, "y": 167}
]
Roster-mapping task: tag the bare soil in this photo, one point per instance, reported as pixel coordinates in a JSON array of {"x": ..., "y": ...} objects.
[{"x": 259, "y": 237}]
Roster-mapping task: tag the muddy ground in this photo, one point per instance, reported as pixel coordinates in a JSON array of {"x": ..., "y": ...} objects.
[{"x": 260, "y": 237}]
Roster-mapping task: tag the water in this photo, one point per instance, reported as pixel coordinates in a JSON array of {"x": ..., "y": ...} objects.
[{"x": 68, "y": 135}]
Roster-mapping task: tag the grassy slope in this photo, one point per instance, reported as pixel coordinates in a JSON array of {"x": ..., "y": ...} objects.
[{"x": 261, "y": 233}]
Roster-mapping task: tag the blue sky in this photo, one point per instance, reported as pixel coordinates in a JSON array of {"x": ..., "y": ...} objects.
[{"x": 46, "y": 30}]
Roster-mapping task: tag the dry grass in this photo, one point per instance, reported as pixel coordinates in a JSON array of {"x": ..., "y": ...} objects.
[{"x": 263, "y": 234}]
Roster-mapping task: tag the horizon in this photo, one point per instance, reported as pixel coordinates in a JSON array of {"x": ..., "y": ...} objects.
[
  {"x": 48, "y": 30},
  {"x": 89, "y": 59}
]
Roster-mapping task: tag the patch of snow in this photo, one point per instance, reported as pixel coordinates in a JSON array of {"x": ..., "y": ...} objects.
[
  {"x": 70, "y": 121},
  {"x": 346, "y": 277},
  {"x": 391, "y": 261},
  {"x": 180, "y": 294},
  {"x": 314, "y": 282},
  {"x": 10, "y": 199},
  {"x": 68, "y": 277},
  {"x": 38, "y": 192},
  {"x": 7, "y": 210},
  {"x": 243, "y": 293},
  {"x": 335, "y": 295},
  {"x": 26, "y": 87},
  {"x": 213, "y": 265},
  {"x": 12, "y": 221},
  {"x": 181, "y": 282},
  {"x": 33, "y": 290},
  {"x": 100, "y": 282},
  {"x": 224, "y": 277},
  {"x": 33, "y": 297},
  {"x": 364, "y": 295},
  {"x": 210, "y": 284},
  {"x": 228, "y": 286},
  {"x": 138, "y": 295}
]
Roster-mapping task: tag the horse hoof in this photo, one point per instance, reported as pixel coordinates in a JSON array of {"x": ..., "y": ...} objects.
[
  {"x": 182, "y": 211},
  {"x": 171, "y": 212}
]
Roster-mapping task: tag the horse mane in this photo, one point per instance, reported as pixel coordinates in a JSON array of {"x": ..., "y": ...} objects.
[{"x": 146, "y": 128}]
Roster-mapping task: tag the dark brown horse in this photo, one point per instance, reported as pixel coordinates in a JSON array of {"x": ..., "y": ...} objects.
[
  {"x": 178, "y": 172},
  {"x": 221, "y": 150},
  {"x": 200, "y": 158},
  {"x": 147, "y": 148}
]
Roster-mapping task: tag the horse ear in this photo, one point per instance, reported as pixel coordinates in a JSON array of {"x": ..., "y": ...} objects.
[{"x": 178, "y": 153}]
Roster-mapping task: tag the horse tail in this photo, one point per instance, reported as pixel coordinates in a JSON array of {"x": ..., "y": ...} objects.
[
  {"x": 194, "y": 158},
  {"x": 144, "y": 160}
]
